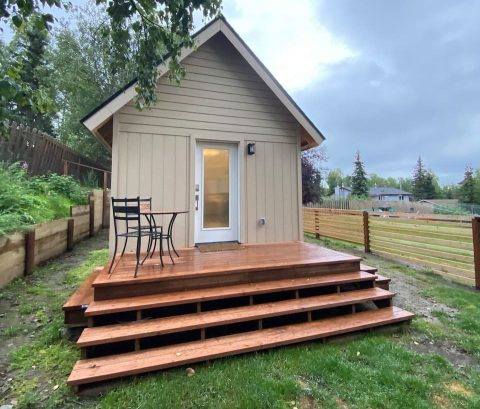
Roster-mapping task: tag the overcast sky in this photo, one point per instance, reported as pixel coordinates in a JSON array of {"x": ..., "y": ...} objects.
[{"x": 393, "y": 79}]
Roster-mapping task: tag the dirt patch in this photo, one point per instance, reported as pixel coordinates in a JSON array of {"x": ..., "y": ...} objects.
[
  {"x": 408, "y": 289},
  {"x": 459, "y": 389},
  {"x": 455, "y": 356},
  {"x": 408, "y": 296},
  {"x": 442, "y": 401},
  {"x": 22, "y": 318}
]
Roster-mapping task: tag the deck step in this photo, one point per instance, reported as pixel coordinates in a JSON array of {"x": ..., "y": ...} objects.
[
  {"x": 381, "y": 281},
  {"x": 207, "y": 294},
  {"x": 368, "y": 269},
  {"x": 141, "y": 329},
  {"x": 132, "y": 363},
  {"x": 76, "y": 304}
]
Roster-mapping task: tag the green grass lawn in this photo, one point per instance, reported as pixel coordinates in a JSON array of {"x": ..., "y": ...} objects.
[{"x": 383, "y": 369}]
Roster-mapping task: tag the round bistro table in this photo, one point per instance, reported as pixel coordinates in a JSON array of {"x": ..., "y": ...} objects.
[{"x": 150, "y": 216}]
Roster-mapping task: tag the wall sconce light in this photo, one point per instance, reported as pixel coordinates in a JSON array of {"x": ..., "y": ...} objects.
[{"x": 251, "y": 149}]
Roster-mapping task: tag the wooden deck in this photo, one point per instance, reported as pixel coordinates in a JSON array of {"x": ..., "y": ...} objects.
[
  {"x": 219, "y": 304},
  {"x": 250, "y": 257},
  {"x": 194, "y": 269}
]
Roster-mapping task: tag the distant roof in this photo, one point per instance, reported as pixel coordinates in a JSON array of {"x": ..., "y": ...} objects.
[{"x": 379, "y": 191}]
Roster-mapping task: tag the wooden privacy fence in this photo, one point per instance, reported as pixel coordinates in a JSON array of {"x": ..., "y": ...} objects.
[
  {"x": 44, "y": 154},
  {"x": 449, "y": 245},
  {"x": 21, "y": 252}
]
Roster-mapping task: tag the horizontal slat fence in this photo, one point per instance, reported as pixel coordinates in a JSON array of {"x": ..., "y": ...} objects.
[
  {"x": 442, "y": 243},
  {"x": 447, "y": 244},
  {"x": 339, "y": 224},
  {"x": 21, "y": 252}
]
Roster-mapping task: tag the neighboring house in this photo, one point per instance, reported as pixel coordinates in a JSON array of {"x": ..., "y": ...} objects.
[
  {"x": 389, "y": 194},
  {"x": 342, "y": 192},
  {"x": 225, "y": 145},
  {"x": 385, "y": 194}
]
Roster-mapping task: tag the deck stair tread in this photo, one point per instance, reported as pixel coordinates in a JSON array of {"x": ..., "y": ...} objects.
[
  {"x": 374, "y": 270},
  {"x": 84, "y": 294},
  {"x": 147, "y": 328},
  {"x": 382, "y": 279},
  {"x": 207, "y": 294},
  {"x": 368, "y": 269},
  {"x": 115, "y": 366}
]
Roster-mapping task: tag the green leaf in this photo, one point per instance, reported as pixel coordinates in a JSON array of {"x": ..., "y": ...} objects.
[{"x": 17, "y": 20}]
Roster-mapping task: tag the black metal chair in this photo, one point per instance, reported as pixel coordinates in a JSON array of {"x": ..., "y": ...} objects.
[{"x": 129, "y": 211}]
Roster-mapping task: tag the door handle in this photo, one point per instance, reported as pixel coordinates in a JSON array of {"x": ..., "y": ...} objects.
[{"x": 196, "y": 202}]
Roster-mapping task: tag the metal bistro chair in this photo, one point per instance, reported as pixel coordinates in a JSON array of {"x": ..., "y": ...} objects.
[{"x": 128, "y": 210}]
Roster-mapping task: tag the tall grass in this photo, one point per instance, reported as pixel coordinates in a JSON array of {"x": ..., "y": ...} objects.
[{"x": 26, "y": 200}]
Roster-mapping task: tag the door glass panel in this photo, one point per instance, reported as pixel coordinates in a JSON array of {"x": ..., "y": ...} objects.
[{"x": 216, "y": 188}]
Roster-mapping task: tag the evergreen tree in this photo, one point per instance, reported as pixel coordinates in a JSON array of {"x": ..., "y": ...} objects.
[
  {"x": 359, "y": 178},
  {"x": 430, "y": 186},
  {"x": 418, "y": 182},
  {"x": 467, "y": 188}
]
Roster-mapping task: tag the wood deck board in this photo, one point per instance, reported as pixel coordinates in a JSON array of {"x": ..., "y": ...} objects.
[
  {"x": 368, "y": 269},
  {"x": 207, "y": 294},
  {"x": 122, "y": 332},
  {"x": 382, "y": 279},
  {"x": 193, "y": 263},
  {"x": 84, "y": 294},
  {"x": 99, "y": 369}
]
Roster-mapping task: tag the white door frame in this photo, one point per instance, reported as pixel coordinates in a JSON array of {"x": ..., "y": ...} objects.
[{"x": 222, "y": 234}]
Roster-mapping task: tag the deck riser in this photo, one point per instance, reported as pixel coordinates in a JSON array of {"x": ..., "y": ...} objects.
[
  {"x": 114, "y": 291},
  {"x": 306, "y": 314}
]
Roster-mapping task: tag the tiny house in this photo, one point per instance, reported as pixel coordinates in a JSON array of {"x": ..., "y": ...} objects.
[
  {"x": 224, "y": 148},
  {"x": 225, "y": 145}
]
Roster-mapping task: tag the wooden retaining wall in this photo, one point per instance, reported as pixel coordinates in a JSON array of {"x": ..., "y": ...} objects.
[
  {"x": 21, "y": 252},
  {"x": 449, "y": 245}
]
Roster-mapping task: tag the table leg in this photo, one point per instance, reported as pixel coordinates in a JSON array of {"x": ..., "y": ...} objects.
[{"x": 170, "y": 232}]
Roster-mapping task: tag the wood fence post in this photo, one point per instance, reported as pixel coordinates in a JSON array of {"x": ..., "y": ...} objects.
[
  {"x": 366, "y": 232},
  {"x": 70, "y": 231},
  {"x": 476, "y": 249},
  {"x": 29, "y": 252},
  {"x": 92, "y": 215},
  {"x": 105, "y": 213},
  {"x": 317, "y": 224}
]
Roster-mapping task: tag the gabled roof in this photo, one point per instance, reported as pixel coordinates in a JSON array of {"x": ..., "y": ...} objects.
[
  {"x": 378, "y": 191},
  {"x": 99, "y": 121}
]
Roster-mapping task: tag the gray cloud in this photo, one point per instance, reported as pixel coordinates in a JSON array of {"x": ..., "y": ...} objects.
[{"x": 412, "y": 89}]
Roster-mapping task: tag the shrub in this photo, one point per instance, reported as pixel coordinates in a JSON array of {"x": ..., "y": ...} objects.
[{"x": 25, "y": 200}]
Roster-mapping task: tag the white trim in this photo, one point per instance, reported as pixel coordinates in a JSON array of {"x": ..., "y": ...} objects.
[{"x": 102, "y": 115}]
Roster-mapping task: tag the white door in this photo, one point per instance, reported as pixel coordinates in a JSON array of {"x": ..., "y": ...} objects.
[{"x": 216, "y": 192}]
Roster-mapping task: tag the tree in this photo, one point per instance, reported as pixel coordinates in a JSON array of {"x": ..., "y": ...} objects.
[
  {"x": 424, "y": 183},
  {"x": 27, "y": 94},
  {"x": 466, "y": 192},
  {"x": 159, "y": 30},
  {"x": 334, "y": 178},
  {"x": 431, "y": 187},
  {"x": 84, "y": 76},
  {"x": 359, "y": 178},
  {"x": 312, "y": 174}
]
